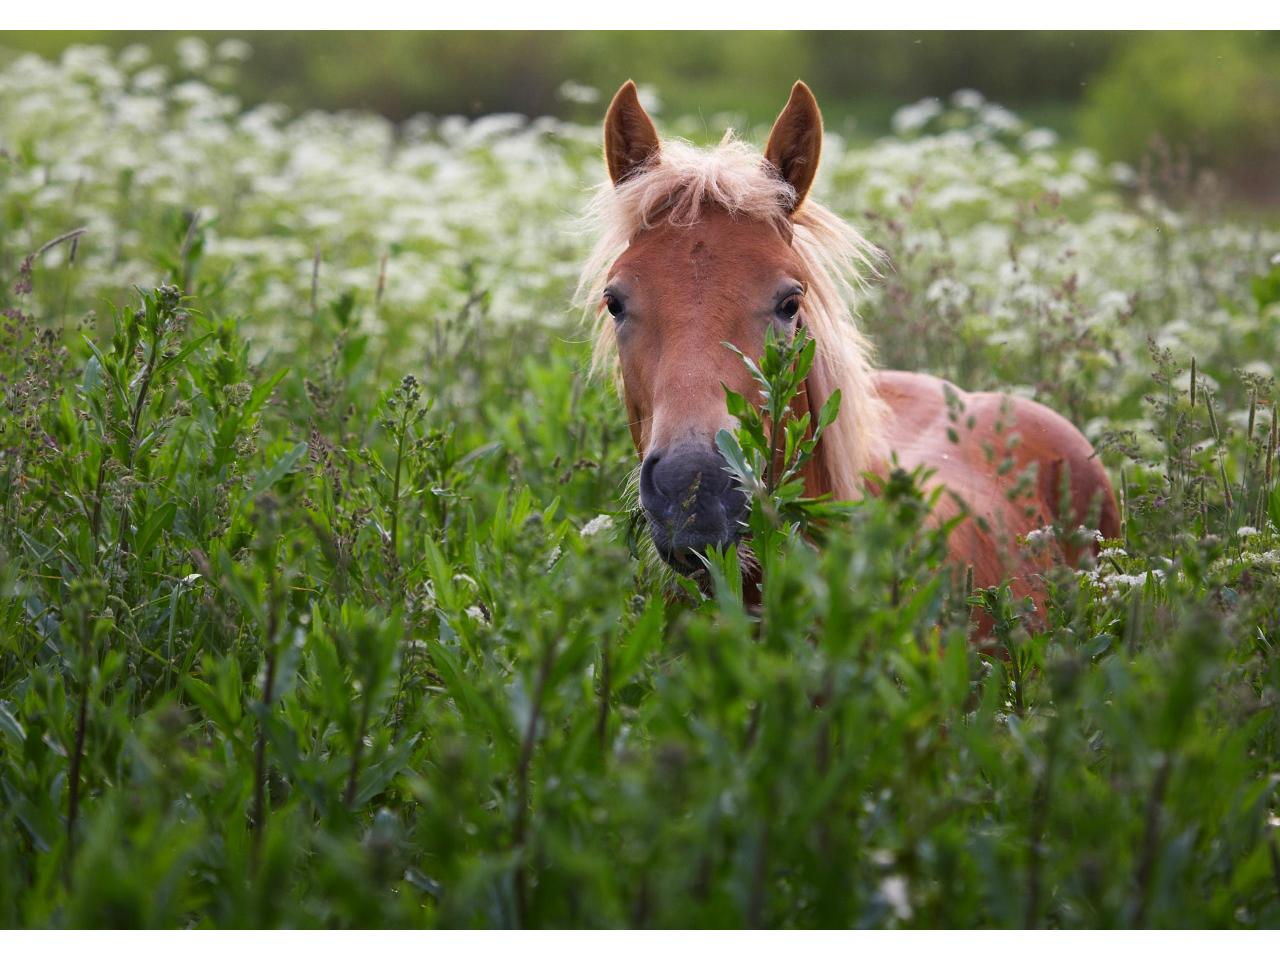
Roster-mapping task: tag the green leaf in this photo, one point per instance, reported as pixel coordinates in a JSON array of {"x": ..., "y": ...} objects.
[
  {"x": 273, "y": 474},
  {"x": 260, "y": 395},
  {"x": 375, "y": 779},
  {"x": 207, "y": 700},
  {"x": 642, "y": 639},
  {"x": 156, "y": 522},
  {"x": 830, "y": 410},
  {"x": 1266, "y": 288},
  {"x": 804, "y": 360},
  {"x": 750, "y": 364},
  {"x": 92, "y": 373},
  {"x": 736, "y": 404},
  {"x": 730, "y": 449},
  {"x": 479, "y": 453},
  {"x": 10, "y": 726},
  {"x": 186, "y": 351},
  {"x": 333, "y": 687}
]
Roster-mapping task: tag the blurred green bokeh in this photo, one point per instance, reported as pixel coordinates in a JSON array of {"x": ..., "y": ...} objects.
[{"x": 1217, "y": 95}]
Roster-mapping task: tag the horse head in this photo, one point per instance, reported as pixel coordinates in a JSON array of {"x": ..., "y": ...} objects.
[{"x": 716, "y": 247}]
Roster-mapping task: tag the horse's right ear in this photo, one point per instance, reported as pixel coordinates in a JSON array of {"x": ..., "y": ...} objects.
[
  {"x": 629, "y": 135},
  {"x": 795, "y": 143}
]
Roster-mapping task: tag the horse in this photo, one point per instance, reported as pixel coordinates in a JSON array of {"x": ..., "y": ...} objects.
[{"x": 698, "y": 247}]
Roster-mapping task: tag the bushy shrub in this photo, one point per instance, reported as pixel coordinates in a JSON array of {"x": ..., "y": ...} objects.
[{"x": 1214, "y": 95}]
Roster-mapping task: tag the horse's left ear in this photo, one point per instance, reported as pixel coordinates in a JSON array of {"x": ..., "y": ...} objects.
[
  {"x": 630, "y": 140},
  {"x": 795, "y": 142}
]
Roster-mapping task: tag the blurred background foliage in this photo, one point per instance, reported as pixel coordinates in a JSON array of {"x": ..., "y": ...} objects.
[{"x": 1212, "y": 97}]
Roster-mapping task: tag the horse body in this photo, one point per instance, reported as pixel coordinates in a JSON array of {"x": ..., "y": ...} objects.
[
  {"x": 704, "y": 247},
  {"x": 1012, "y": 465}
]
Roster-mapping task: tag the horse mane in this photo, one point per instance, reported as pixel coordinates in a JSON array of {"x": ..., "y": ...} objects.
[{"x": 676, "y": 187}]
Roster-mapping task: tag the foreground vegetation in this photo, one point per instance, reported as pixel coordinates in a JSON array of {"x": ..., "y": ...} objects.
[{"x": 320, "y": 603}]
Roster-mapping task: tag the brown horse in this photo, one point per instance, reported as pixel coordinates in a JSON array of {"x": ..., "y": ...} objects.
[{"x": 702, "y": 247}]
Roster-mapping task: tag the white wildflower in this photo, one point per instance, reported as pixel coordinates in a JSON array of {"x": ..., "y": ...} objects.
[
  {"x": 948, "y": 293},
  {"x": 596, "y": 525},
  {"x": 1123, "y": 174},
  {"x": 575, "y": 92},
  {"x": 648, "y": 97},
  {"x": 193, "y": 53},
  {"x": 1040, "y": 537},
  {"x": 150, "y": 79},
  {"x": 1113, "y": 581},
  {"x": 233, "y": 49},
  {"x": 1085, "y": 162},
  {"x": 999, "y": 118},
  {"x": 958, "y": 194},
  {"x": 1114, "y": 304},
  {"x": 134, "y": 56},
  {"x": 893, "y": 889},
  {"x": 881, "y": 856},
  {"x": 1039, "y": 139},
  {"x": 914, "y": 117}
]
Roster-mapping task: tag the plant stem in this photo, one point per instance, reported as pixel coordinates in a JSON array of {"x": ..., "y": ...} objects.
[
  {"x": 520, "y": 827},
  {"x": 606, "y": 681},
  {"x": 1150, "y": 841},
  {"x": 357, "y": 749},
  {"x": 143, "y": 387},
  {"x": 1274, "y": 851},
  {"x": 268, "y": 691},
  {"x": 95, "y": 522},
  {"x": 395, "y": 488},
  {"x": 260, "y": 754},
  {"x": 759, "y": 876},
  {"x": 73, "y": 775},
  {"x": 1039, "y": 816}
]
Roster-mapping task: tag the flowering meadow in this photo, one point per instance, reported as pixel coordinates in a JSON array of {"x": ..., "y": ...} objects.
[{"x": 322, "y": 602}]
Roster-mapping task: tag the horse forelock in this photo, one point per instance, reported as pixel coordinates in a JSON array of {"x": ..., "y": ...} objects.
[{"x": 683, "y": 182}]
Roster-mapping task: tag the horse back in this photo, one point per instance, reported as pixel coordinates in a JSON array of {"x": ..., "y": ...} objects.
[{"x": 1011, "y": 465}]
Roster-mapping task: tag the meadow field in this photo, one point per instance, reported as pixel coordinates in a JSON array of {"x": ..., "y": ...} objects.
[{"x": 322, "y": 603}]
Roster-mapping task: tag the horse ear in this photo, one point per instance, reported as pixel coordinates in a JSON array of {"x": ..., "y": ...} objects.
[
  {"x": 795, "y": 142},
  {"x": 629, "y": 135}
]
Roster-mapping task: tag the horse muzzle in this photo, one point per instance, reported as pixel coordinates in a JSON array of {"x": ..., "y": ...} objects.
[{"x": 691, "y": 502}]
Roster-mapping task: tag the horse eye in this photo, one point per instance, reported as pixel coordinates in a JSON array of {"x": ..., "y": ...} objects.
[
  {"x": 613, "y": 305},
  {"x": 789, "y": 307}
]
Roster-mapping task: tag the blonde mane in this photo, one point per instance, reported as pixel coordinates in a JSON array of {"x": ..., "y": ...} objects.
[{"x": 733, "y": 176}]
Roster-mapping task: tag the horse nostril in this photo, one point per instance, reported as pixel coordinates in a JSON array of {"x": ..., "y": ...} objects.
[
  {"x": 647, "y": 486},
  {"x": 670, "y": 479},
  {"x": 679, "y": 477}
]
